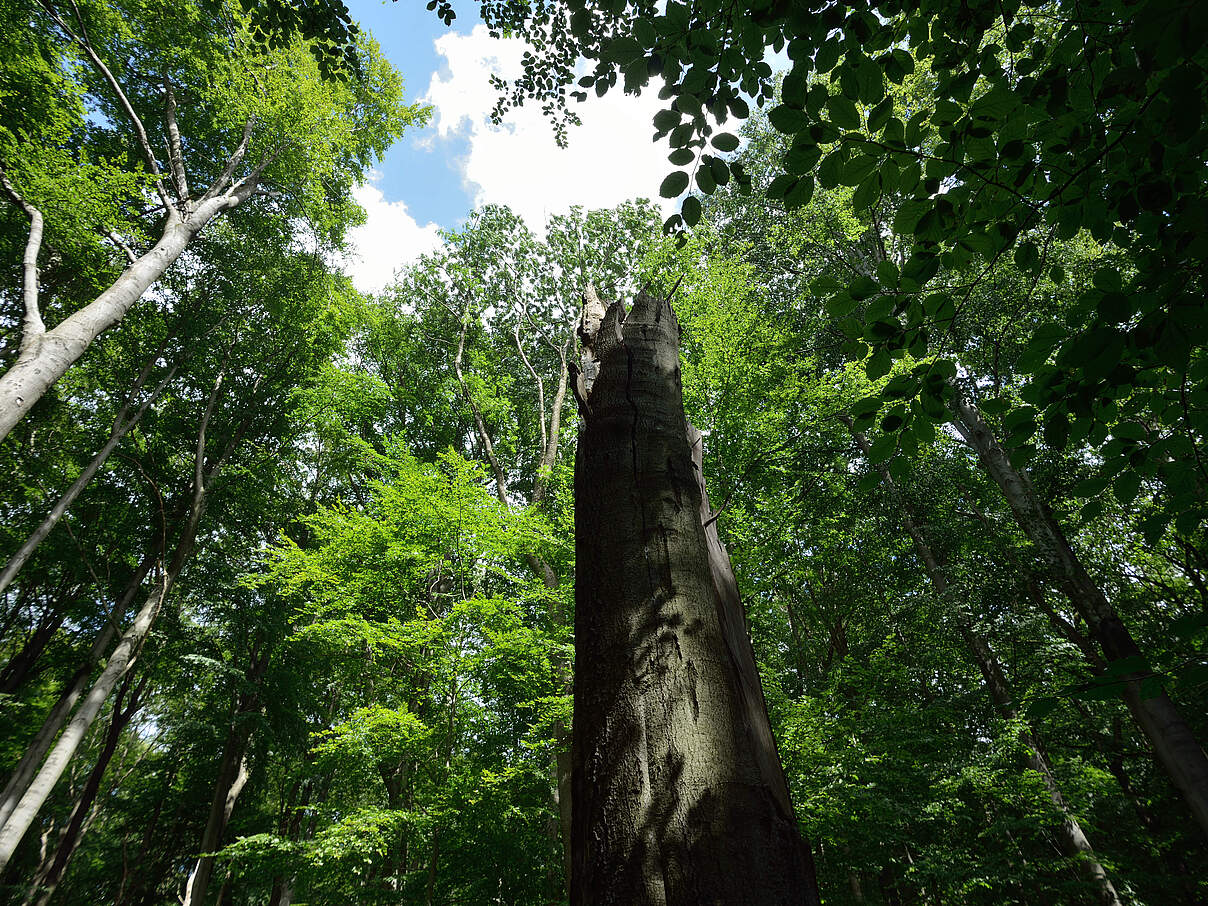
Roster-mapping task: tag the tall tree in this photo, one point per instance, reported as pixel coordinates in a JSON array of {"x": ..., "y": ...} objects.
[
  {"x": 261, "y": 128},
  {"x": 678, "y": 789}
]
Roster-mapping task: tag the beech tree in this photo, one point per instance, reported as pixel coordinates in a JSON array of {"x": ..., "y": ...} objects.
[
  {"x": 678, "y": 792},
  {"x": 936, "y": 632},
  {"x": 240, "y": 125}
]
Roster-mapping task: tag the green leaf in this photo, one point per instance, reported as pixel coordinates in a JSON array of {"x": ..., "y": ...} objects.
[
  {"x": 780, "y": 186},
  {"x": 643, "y": 30},
  {"x": 903, "y": 59},
  {"x": 1126, "y": 486},
  {"x": 674, "y": 184},
  {"x": 878, "y": 365},
  {"x": 691, "y": 210},
  {"x": 621, "y": 50},
  {"x": 666, "y": 120},
  {"x": 725, "y": 142},
  {"x": 1107, "y": 279},
  {"x": 802, "y": 159},
  {"x": 831, "y": 169},
  {"x": 882, "y": 448},
  {"x": 842, "y": 112},
  {"x": 799, "y": 195},
  {"x": 787, "y": 119},
  {"x": 866, "y": 194},
  {"x": 856, "y": 168}
]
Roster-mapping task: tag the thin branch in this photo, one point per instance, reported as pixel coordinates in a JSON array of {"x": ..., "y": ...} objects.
[
  {"x": 479, "y": 424},
  {"x": 228, "y": 172},
  {"x": 140, "y": 131},
  {"x": 250, "y": 183},
  {"x": 32, "y": 327},
  {"x": 117, "y": 240},
  {"x": 176, "y": 158},
  {"x": 537, "y": 379}
]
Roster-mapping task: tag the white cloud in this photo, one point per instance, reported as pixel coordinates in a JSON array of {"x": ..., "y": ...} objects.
[
  {"x": 389, "y": 239},
  {"x": 609, "y": 159}
]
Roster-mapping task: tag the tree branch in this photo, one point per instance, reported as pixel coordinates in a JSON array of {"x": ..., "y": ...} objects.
[
  {"x": 32, "y": 326},
  {"x": 117, "y": 240},
  {"x": 176, "y": 158},
  {"x": 479, "y": 424},
  {"x": 136, "y": 122},
  {"x": 224, "y": 178}
]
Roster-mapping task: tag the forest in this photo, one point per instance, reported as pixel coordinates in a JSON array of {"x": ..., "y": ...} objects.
[{"x": 825, "y": 526}]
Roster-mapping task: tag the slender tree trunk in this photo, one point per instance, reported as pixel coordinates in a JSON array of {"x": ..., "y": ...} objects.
[
  {"x": 18, "y": 669},
  {"x": 120, "y": 661},
  {"x": 282, "y": 893},
  {"x": 85, "y": 810},
  {"x": 1073, "y": 839},
  {"x": 550, "y": 439},
  {"x": 232, "y": 775},
  {"x": 133, "y": 892},
  {"x": 27, "y": 767},
  {"x": 1176, "y": 747},
  {"x": 64, "y": 749},
  {"x": 857, "y": 888},
  {"x": 679, "y": 797},
  {"x": 122, "y": 425},
  {"x": 61, "y": 347}
]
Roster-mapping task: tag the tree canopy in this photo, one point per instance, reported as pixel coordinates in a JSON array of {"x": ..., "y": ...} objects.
[{"x": 288, "y": 604}]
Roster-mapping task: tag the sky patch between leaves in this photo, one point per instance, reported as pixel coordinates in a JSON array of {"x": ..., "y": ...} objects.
[{"x": 610, "y": 158}]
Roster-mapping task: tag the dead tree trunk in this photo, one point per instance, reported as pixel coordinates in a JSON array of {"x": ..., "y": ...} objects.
[{"x": 679, "y": 797}]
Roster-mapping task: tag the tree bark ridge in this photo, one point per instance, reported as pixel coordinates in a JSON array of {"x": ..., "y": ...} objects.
[{"x": 678, "y": 791}]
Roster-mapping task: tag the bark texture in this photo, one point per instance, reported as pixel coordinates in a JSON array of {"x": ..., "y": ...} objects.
[{"x": 679, "y": 797}]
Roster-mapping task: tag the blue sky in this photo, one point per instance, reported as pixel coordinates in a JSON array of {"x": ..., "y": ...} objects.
[
  {"x": 435, "y": 176},
  {"x": 407, "y": 33}
]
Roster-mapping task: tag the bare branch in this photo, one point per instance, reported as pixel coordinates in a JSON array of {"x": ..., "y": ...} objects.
[
  {"x": 117, "y": 240},
  {"x": 224, "y": 178},
  {"x": 537, "y": 379},
  {"x": 550, "y": 455},
  {"x": 32, "y": 326},
  {"x": 176, "y": 158},
  {"x": 243, "y": 189},
  {"x": 479, "y": 424}
]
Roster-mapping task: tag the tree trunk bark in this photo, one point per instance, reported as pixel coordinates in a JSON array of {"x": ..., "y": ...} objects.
[
  {"x": 84, "y": 812},
  {"x": 24, "y": 772},
  {"x": 120, "y": 661},
  {"x": 1073, "y": 839},
  {"x": 679, "y": 797},
  {"x": 1176, "y": 747},
  {"x": 232, "y": 775},
  {"x": 56, "y": 350},
  {"x": 122, "y": 425},
  {"x": 20, "y": 665}
]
